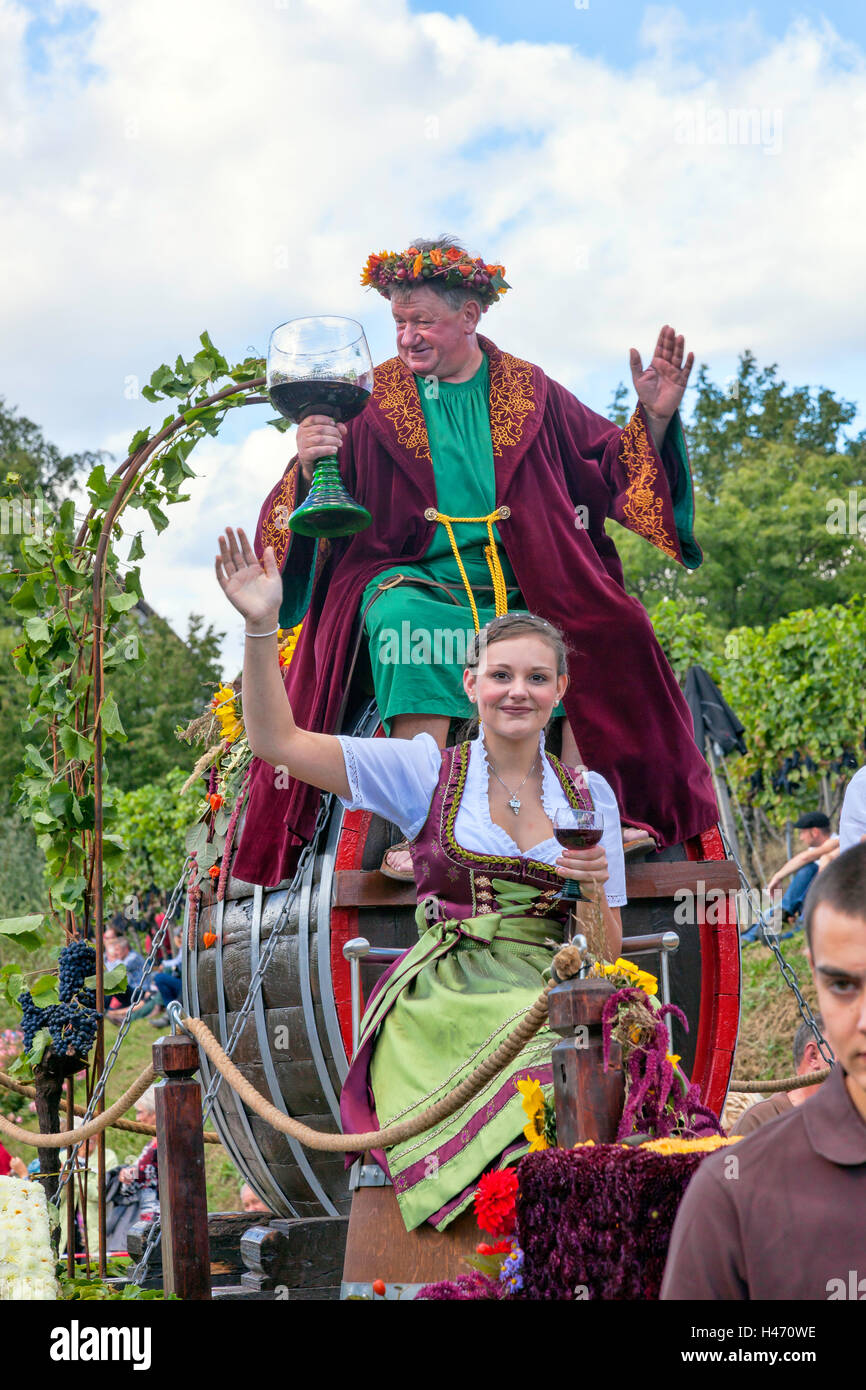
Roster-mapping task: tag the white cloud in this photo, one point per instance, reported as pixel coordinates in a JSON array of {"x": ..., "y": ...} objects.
[{"x": 231, "y": 167}]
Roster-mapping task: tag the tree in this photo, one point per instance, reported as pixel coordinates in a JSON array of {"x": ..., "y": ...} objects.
[
  {"x": 773, "y": 482},
  {"x": 796, "y": 689},
  {"x": 29, "y": 466},
  {"x": 172, "y": 687}
]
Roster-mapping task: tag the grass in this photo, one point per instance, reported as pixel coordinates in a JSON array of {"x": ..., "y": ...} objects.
[
  {"x": 223, "y": 1178},
  {"x": 769, "y": 1013}
]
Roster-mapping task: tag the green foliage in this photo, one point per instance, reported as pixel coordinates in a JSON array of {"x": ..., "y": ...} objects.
[
  {"x": 687, "y": 638},
  {"x": 170, "y": 688},
  {"x": 798, "y": 688},
  {"x": 91, "y": 1288},
  {"x": 770, "y": 473},
  {"x": 50, "y": 595},
  {"x": 153, "y": 821}
]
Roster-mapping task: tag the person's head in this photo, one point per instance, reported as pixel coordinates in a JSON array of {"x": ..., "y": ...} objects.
[
  {"x": 814, "y": 828},
  {"x": 805, "y": 1048},
  {"x": 115, "y": 942},
  {"x": 250, "y": 1201},
  {"x": 519, "y": 674},
  {"x": 436, "y": 324},
  {"x": 145, "y": 1107},
  {"x": 834, "y": 919}
]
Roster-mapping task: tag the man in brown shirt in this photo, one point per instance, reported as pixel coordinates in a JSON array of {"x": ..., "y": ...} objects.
[
  {"x": 806, "y": 1058},
  {"x": 782, "y": 1215}
]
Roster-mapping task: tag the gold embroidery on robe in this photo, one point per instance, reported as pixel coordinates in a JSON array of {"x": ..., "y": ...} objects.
[
  {"x": 643, "y": 508},
  {"x": 395, "y": 395},
  {"x": 511, "y": 400},
  {"x": 275, "y": 527}
]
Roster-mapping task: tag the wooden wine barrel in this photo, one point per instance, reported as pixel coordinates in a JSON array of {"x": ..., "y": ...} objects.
[{"x": 296, "y": 1044}]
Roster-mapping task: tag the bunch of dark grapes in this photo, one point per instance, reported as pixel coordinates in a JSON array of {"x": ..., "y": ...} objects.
[
  {"x": 75, "y": 962},
  {"x": 72, "y": 1022},
  {"x": 31, "y": 1018}
]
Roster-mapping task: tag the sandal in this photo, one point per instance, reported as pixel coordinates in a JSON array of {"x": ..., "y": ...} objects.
[
  {"x": 401, "y": 875},
  {"x": 645, "y": 845}
]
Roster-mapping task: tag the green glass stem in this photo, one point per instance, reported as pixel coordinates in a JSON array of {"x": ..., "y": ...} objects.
[
  {"x": 571, "y": 891},
  {"x": 329, "y": 509}
]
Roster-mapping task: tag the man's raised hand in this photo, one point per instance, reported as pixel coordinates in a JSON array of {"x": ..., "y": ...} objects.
[
  {"x": 661, "y": 386},
  {"x": 254, "y": 588}
]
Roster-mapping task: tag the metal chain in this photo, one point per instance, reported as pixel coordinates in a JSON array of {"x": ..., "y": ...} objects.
[
  {"x": 768, "y": 935},
  {"x": 265, "y": 958},
  {"x": 790, "y": 979},
  {"x": 208, "y": 1101},
  {"x": 154, "y": 1236},
  {"x": 99, "y": 1090}
]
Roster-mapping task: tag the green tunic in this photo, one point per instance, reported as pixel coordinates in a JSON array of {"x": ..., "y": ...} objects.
[{"x": 418, "y": 637}]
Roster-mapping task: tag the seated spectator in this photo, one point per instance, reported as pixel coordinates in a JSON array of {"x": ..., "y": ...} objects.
[
  {"x": 852, "y": 821},
  {"x": 782, "y": 1215},
  {"x": 168, "y": 982},
  {"x": 817, "y": 842},
  {"x": 806, "y": 1058},
  {"x": 119, "y": 952},
  {"x": 140, "y": 1174},
  {"x": 85, "y": 1177},
  {"x": 251, "y": 1202}
]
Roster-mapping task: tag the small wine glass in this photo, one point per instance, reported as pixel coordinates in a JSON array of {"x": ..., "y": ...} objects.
[{"x": 576, "y": 828}]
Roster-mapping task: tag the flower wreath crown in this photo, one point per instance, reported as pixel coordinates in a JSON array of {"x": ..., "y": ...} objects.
[{"x": 449, "y": 264}]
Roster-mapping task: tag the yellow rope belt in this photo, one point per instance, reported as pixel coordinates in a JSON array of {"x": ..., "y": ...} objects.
[{"x": 491, "y": 555}]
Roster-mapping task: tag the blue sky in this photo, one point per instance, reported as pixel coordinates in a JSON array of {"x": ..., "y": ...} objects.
[{"x": 611, "y": 29}]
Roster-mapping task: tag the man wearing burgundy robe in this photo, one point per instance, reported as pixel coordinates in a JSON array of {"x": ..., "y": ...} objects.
[{"x": 561, "y": 471}]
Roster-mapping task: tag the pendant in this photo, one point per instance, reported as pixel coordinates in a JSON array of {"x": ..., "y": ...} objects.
[{"x": 514, "y": 803}]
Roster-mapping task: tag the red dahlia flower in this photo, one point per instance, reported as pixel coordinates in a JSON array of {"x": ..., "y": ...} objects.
[{"x": 495, "y": 1199}]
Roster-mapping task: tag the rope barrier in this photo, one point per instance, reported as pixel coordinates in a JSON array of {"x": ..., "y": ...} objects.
[
  {"x": 133, "y": 1126},
  {"x": 784, "y": 1083},
  {"x": 87, "y": 1131},
  {"x": 529, "y": 1025}
]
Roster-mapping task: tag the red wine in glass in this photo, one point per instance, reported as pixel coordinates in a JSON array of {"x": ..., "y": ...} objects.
[
  {"x": 576, "y": 829},
  {"x": 297, "y": 399},
  {"x": 576, "y": 838}
]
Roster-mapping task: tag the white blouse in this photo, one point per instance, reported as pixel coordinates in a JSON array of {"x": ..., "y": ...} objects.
[{"x": 396, "y": 778}]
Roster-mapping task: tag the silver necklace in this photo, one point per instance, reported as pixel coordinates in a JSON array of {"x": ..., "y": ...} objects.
[{"x": 514, "y": 801}]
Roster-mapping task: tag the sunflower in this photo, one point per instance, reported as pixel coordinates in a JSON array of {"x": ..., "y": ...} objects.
[
  {"x": 533, "y": 1100},
  {"x": 223, "y": 704}
]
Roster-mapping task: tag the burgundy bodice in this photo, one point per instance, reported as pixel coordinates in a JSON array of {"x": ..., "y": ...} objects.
[{"x": 463, "y": 880}]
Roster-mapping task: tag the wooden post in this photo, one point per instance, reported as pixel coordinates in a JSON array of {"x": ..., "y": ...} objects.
[
  {"x": 182, "y": 1190},
  {"x": 589, "y": 1100}
]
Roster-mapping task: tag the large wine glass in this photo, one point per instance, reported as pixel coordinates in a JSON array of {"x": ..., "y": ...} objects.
[
  {"x": 575, "y": 828},
  {"x": 322, "y": 366}
]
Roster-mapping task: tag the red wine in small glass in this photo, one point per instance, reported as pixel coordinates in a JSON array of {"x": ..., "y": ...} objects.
[{"x": 576, "y": 829}]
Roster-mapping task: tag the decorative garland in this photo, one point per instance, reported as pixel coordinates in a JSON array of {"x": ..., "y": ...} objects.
[{"x": 450, "y": 265}]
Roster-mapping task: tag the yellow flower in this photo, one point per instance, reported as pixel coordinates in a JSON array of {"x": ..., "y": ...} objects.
[
  {"x": 532, "y": 1097},
  {"x": 648, "y": 983},
  {"x": 689, "y": 1146},
  {"x": 639, "y": 979},
  {"x": 286, "y": 643},
  {"x": 672, "y": 1057},
  {"x": 231, "y": 726}
]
